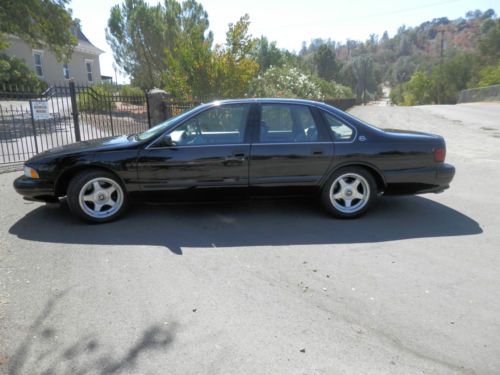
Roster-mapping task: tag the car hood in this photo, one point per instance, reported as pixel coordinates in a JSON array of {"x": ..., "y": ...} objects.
[{"x": 95, "y": 145}]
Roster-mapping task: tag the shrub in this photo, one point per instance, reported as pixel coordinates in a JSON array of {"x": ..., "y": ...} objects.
[
  {"x": 135, "y": 93},
  {"x": 396, "y": 95},
  {"x": 285, "y": 82},
  {"x": 489, "y": 75},
  {"x": 332, "y": 90},
  {"x": 95, "y": 98},
  {"x": 288, "y": 82},
  {"x": 128, "y": 90},
  {"x": 420, "y": 89}
]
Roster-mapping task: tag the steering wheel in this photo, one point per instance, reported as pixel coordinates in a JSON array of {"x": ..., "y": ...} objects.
[{"x": 195, "y": 134}]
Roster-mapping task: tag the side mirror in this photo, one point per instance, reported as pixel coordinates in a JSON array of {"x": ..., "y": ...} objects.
[{"x": 167, "y": 141}]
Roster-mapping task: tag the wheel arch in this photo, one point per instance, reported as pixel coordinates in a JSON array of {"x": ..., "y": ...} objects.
[
  {"x": 63, "y": 180},
  {"x": 373, "y": 170}
]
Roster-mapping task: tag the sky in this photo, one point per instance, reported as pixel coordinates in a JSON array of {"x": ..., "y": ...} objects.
[{"x": 290, "y": 22}]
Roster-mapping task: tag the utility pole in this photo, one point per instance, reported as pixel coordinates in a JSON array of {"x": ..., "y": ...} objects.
[
  {"x": 364, "y": 81},
  {"x": 441, "y": 57},
  {"x": 442, "y": 47}
]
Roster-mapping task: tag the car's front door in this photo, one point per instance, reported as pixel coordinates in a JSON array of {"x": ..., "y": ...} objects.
[
  {"x": 290, "y": 149},
  {"x": 209, "y": 150}
]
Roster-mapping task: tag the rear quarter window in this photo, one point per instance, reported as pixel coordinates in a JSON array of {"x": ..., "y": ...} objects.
[{"x": 339, "y": 130}]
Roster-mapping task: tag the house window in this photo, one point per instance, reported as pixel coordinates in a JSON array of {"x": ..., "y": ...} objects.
[
  {"x": 88, "y": 66},
  {"x": 66, "y": 71},
  {"x": 37, "y": 58}
]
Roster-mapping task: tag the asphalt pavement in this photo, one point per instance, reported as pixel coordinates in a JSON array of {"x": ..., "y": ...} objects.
[{"x": 266, "y": 287}]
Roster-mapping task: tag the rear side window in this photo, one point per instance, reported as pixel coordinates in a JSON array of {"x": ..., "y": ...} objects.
[
  {"x": 281, "y": 123},
  {"x": 340, "y": 131}
]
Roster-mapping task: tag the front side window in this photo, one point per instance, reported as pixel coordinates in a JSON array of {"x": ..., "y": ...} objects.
[
  {"x": 340, "y": 131},
  {"x": 88, "y": 65},
  {"x": 162, "y": 127},
  {"x": 66, "y": 71},
  {"x": 218, "y": 125},
  {"x": 282, "y": 123},
  {"x": 37, "y": 58}
]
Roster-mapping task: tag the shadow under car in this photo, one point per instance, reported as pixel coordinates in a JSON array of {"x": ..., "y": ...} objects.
[{"x": 249, "y": 223}]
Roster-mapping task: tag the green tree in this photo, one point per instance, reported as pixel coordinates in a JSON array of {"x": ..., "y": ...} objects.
[
  {"x": 385, "y": 37},
  {"x": 189, "y": 64},
  {"x": 441, "y": 85},
  {"x": 138, "y": 35},
  {"x": 452, "y": 76},
  {"x": 402, "y": 69},
  {"x": 15, "y": 76},
  {"x": 420, "y": 89},
  {"x": 40, "y": 23},
  {"x": 362, "y": 76},
  {"x": 239, "y": 42},
  {"x": 489, "y": 43},
  {"x": 146, "y": 40},
  {"x": 267, "y": 54},
  {"x": 405, "y": 45},
  {"x": 325, "y": 62},
  {"x": 233, "y": 67}
]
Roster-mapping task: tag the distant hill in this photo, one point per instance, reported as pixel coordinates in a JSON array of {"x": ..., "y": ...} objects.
[{"x": 395, "y": 59}]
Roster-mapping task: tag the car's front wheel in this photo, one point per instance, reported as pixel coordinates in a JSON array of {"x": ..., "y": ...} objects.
[
  {"x": 349, "y": 192},
  {"x": 97, "y": 196}
]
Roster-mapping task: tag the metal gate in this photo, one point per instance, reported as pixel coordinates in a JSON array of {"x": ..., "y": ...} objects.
[{"x": 32, "y": 123}]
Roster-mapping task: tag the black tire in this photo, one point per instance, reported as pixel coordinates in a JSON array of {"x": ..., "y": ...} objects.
[
  {"x": 107, "y": 181},
  {"x": 366, "y": 187}
]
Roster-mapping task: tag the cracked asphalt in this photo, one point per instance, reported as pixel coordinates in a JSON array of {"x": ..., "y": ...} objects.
[{"x": 266, "y": 287}]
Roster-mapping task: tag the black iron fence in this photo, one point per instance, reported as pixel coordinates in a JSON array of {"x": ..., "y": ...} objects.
[
  {"x": 33, "y": 122},
  {"x": 103, "y": 115}
]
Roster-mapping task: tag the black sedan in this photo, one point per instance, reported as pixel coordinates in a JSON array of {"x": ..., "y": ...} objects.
[{"x": 242, "y": 147}]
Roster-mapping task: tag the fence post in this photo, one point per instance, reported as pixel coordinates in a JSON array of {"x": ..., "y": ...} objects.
[
  {"x": 148, "y": 110},
  {"x": 74, "y": 110},
  {"x": 156, "y": 106},
  {"x": 111, "y": 117},
  {"x": 33, "y": 126}
]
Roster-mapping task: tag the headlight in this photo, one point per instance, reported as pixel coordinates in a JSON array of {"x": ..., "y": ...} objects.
[{"x": 30, "y": 172}]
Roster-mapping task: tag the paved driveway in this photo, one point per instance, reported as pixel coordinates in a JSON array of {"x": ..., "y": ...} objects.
[{"x": 264, "y": 288}]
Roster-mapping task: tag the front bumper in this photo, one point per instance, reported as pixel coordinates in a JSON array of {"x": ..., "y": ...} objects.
[
  {"x": 35, "y": 189},
  {"x": 420, "y": 180}
]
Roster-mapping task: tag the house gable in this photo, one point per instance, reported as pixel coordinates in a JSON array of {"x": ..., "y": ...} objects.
[{"x": 45, "y": 65}]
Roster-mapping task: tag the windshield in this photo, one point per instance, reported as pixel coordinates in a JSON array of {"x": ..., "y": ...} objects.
[{"x": 161, "y": 127}]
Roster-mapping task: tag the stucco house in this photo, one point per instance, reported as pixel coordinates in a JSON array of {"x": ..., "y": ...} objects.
[{"x": 82, "y": 67}]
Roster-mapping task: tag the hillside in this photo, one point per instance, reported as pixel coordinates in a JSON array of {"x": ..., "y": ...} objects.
[{"x": 396, "y": 59}]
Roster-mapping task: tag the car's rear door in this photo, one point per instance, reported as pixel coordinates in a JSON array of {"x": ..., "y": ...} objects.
[
  {"x": 291, "y": 148},
  {"x": 209, "y": 150}
]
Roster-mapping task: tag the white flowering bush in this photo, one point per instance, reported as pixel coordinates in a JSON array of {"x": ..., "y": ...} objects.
[{"x": 290, "y": 82}]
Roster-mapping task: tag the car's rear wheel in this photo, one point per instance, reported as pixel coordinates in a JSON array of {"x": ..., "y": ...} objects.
[
  {"x": 349, "y": 192},
  {"x": 97, "y": 196}
]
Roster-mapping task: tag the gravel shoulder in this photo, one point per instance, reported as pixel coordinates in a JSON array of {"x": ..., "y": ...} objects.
[{"x": 265, "y": 288}]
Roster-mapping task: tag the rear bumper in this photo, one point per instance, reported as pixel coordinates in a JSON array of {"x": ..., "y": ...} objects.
[
  {"x": 420, "y": 180},
  {"x": 35, "y": 189}
]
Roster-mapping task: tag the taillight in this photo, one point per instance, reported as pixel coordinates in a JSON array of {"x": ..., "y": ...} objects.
[{"x": 439, "y": 154}]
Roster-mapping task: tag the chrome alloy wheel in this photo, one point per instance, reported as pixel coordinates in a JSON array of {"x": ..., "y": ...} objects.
[
  {"x": 349, "y": 193},
  {"x": 101, "y": 197}
]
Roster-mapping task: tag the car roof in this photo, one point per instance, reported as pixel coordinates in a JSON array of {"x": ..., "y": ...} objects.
[
  {"x": 266, "y": 100},
  {"x": 321, "y": 105}
]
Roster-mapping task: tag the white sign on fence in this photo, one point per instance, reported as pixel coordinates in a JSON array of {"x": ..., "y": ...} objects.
[{"x": 40, "y": 109}]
